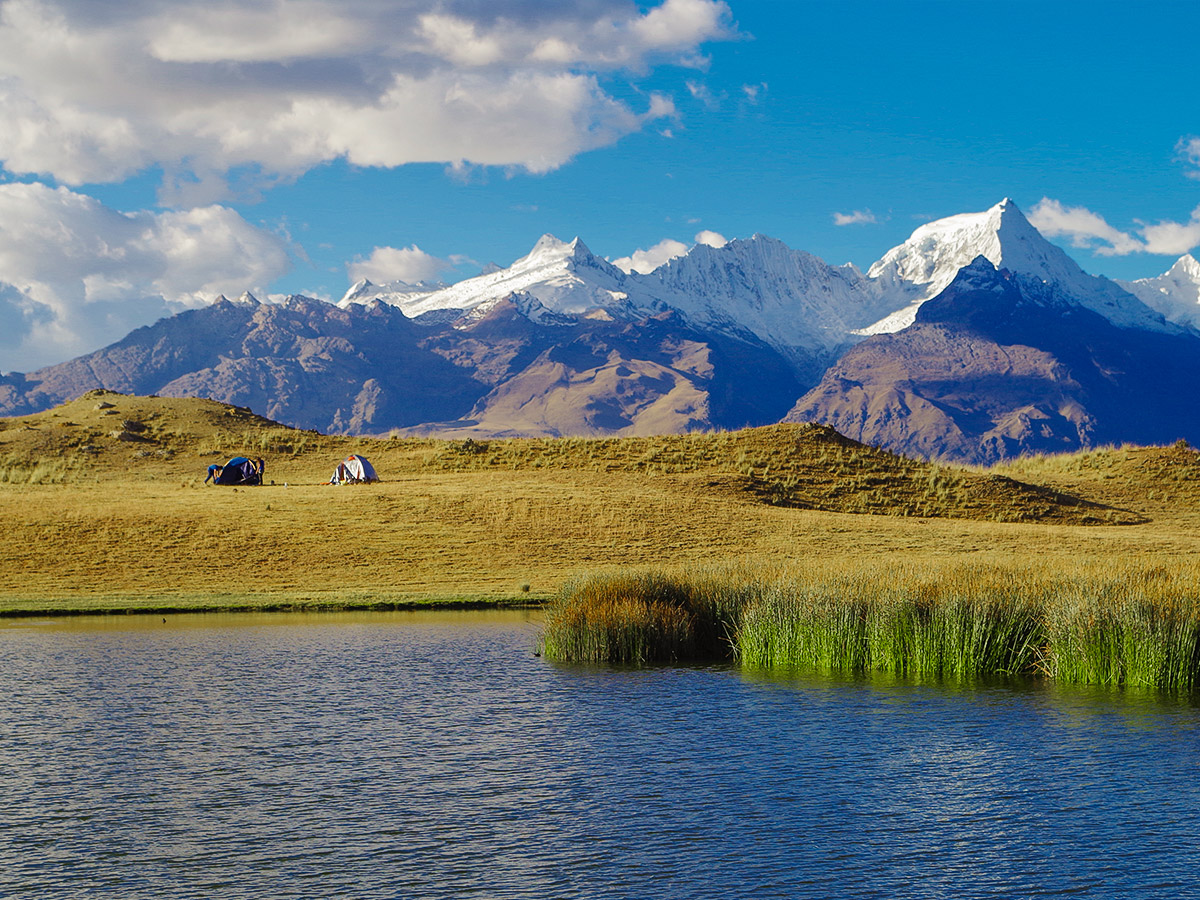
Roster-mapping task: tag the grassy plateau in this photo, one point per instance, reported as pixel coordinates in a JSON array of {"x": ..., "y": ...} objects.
[{"x": 771, "y": 531}]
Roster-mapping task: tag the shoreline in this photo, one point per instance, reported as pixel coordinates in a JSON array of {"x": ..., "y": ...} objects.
[{"x": 449, "y": 604}]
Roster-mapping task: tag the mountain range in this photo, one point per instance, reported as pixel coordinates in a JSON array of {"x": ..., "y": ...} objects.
[{"x": 975, "y": 340}]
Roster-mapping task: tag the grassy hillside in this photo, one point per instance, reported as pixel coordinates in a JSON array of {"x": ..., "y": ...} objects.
[{"x": 102, "y": 504}]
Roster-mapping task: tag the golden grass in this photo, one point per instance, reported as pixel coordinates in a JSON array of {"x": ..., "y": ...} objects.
[{"x": 116, "y": 515}]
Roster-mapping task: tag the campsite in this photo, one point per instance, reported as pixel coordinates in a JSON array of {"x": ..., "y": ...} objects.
[{"x": 118, "y": 481}]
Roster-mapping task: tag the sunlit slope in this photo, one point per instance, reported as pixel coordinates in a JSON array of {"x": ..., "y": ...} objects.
[{"x": 102, "y": 503}]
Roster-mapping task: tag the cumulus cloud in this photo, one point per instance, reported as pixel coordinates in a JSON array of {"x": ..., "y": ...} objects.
[
  {"x": 408, "y": 264},
  {"x": 711, "y": 239},
  {"x": 646, "y": 261},
  {"x": 858, "y": 217},
  {"x": 1083, "y": 228},
  {"x": 1173, "y": 238},
  {"x": 96, "y": 90},
  {"x": 76, "y": 275}
]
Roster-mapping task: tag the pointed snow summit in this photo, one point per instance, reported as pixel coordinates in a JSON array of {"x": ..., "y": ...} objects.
[
  {"x": 564, "y": 276},
  {"x": 1175, "y": 293},
  {"x": 929, "y": 260},
  {"x": 925, "y": 264}
]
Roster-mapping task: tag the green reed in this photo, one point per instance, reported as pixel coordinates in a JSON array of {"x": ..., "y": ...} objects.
[
  {"x": 1144, "y": 630},
  {"x": 1121, "y": 625},
  {"x": 909, "y": 627}
]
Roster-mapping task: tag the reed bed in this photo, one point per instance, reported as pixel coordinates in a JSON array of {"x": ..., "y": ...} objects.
[{"x": 1114, "y": 624}]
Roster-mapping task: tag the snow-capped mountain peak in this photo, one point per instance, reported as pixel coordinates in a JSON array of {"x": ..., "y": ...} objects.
[
  {"x": 788, "y": 298},
  {"x": 1187, "y": 265},
  {"x": 758, "y": 286},
  {"x": 1175, "y": 293},
  {"x": 360, "y": 288},
  {"x": 927, "y": 262},
  {"x": 549, "y": 250},
  {"x": 564, "y": 276},
  {"x": 395, "y": 293}
]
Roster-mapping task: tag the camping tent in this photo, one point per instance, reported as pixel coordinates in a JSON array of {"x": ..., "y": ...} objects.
[
  {"x": 238, "y": 470},
  {"x": 354, "y": 470}
]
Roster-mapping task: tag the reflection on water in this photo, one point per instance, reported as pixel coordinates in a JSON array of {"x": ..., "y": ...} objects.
[{"x": 434, "y": 755}]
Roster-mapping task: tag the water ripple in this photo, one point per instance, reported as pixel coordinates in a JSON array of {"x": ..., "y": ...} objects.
[{"x": 412, "y": 756}]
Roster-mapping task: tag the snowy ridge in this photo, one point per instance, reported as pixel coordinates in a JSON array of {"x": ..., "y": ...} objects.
[
  {"x": 927, "y": 262},
  {"x": 786, "y": 297},
  {"x": 394, "y": 293},
  {"x": 1175, "y": 293},
  {"x": 564, "y": 277},
  {"x": 790, "y": 299}
]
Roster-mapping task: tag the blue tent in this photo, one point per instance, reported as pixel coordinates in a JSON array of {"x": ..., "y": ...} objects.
[{"x": 238, "y": 470}]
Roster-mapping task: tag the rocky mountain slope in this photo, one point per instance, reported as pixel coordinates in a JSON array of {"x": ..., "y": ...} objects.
[
  {"x": 996, "y": 366},
  {"x": 369, "y": 369}
]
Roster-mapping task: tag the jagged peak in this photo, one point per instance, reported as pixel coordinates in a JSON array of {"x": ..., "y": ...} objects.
[
  {"x": 1003, "y": 219},
  {"x": 549, "y": 250},
  {"x": 355, "y": 291},
  {"x": 759, "y": 251},
  {"x": 1186, "y": 265},
  {"x": 936, "y": 250},
  {"x": 247, "y": 299},
  {"x": 549, "y": 241}
]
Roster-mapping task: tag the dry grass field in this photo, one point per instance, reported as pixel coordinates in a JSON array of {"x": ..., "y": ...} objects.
[{"x": 103, "y": 506}]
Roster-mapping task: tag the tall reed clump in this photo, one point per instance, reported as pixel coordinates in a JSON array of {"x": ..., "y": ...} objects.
[
  {"x": 962, "y": 626},
  {"x": 641, "y": 618},
  {"x": 1140, "y": 629},
  {"x": 1120, "y": 625}
]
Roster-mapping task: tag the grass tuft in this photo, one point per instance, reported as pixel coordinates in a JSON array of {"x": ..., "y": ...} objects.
[{"x": 639, "y": 618}]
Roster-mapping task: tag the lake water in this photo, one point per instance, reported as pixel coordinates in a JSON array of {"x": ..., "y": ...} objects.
[{"x": 434, "y": 755}]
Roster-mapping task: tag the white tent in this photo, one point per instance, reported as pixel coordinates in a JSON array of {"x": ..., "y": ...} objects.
[{"x": 354, "y": 470}]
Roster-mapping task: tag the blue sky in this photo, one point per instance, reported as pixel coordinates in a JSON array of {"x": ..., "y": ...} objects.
[{"x": 156, "y": 154}]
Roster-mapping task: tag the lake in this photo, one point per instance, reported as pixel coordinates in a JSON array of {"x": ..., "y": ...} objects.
[{"x": 419, "y": 755}]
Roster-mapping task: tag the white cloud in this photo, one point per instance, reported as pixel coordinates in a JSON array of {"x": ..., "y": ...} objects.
[
  {"x": 1173, "y": 238},
  {"x": 680, "y": 25},
  {"x": 1083, "y": 228},
  {"x": 95, "y": 91},
  {"x": 702, "y": 93},
  {"x": 753, "y": 90},
  {"x": 409, "y": 264},
  {"x": 711, "y": 239},
  {"x": 858, "y": 217},
  {"x": 1188, "y": 149},
  {"x": 76, "y": 275},
  {"x": 646, "y": 261}
]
